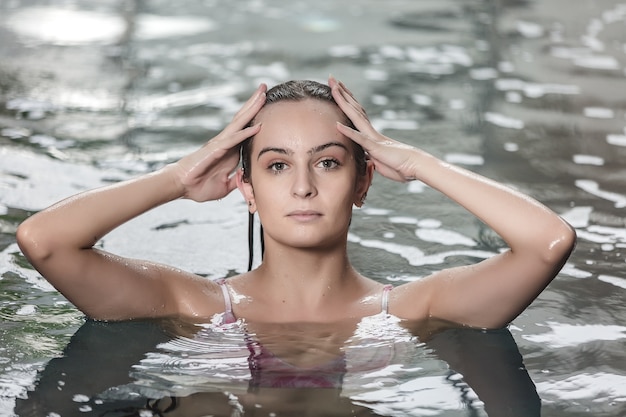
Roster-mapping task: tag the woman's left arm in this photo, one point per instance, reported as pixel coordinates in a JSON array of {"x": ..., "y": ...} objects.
[{"x": 493, "y": 292}]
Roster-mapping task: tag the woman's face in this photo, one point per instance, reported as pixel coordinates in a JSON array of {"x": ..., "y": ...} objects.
[{"x": 303, "y": 178}]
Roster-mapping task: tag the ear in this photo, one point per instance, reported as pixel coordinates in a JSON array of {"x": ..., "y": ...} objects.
[
  {"x": 245, "y": 187},
  {"x": 363, "y": 184}
]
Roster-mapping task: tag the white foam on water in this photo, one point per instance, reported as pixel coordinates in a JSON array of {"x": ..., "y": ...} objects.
[
  {"x": 379, "y": 99},
  {"x": 503, "y": 121},
  {"x": 464, "y": 159},
  {"x": 613, "y": 280},
  {"x": 601, "y": 62},
  {"x": 385, "y": 124},
  {"x": 574, "y": 272},
  {"x": 599, "y": 113},
  {"x": 506, "y": 66},
  {"x": 426, "y": 396},
  {"x": 535, "y": 90},
  {"x": 374, "y": 211},
  {"x": 416, "y": 187},
  {"x": 482, "y": 74},
  {"x": 429, "y": 223},
  {"x": 376, "y": 74},
  {"x": 403, "y": 220},
  {"x": 578, "y": 217},
  {"x": 444, "y": 237},
  {"x": 617, "y": 140},
  {"x": 588, "y": 160},
  {"x": 66, "y": 27},
  {"x": 151, "y": 27},
  {"x": 344, "y": 51},
  {"x": 392, "y": 51},
  {"x": 513, "y": 97},
  {"x": 511, "y": 147},
  {"x": 422, "y": 100},
  {"x": 529, "y": 29},
  {"x": 410, "y": 253},
  {"x": 564, "y": 335},
  {"x": 26, "y": 310},
  {"x": 592, "y": 187},
  {"x": 600, "y": 387},
  {"x": 456, "y": 104}
]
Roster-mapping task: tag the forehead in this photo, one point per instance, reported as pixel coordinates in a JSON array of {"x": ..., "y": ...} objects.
[
  {"x": 306, "y": 108},
  {"x": 293, "y": 123}
]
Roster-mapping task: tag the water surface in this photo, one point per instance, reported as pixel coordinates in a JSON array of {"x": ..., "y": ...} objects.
[{"x": 527, "y": 93}]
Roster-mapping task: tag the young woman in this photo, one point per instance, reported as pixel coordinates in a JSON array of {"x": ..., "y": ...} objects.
[{"x": 304, "y": 170}]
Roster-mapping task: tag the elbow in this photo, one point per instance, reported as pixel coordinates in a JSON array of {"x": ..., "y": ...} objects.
[
  {"x": 32, "y": 243},
  {"x": 561, "y": 243}
]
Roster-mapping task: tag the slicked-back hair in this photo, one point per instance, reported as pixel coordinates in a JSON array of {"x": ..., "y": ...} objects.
[{"x": 300, "y": 90}]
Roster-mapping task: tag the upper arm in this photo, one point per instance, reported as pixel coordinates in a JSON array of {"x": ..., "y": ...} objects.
[
  {"x": 105, "y": 286},
  {"x": 488, "y": 294}
]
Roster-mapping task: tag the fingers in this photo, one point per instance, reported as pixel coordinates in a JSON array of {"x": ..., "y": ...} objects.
[
  {"x": 350, "y": 106},
  {"x": 349, "y": 96},
  {"x": 346, "y": 94},
  {"x": 254, "y": 98},
  {"x": 250, "y": 108},
  {"x": 355, "y": 135},
  {"x": 228, "y": 141},
  {"x": 236, "y": 131}
]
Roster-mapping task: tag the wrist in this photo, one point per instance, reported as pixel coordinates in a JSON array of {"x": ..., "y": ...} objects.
[{"x": 170, "y": 179}]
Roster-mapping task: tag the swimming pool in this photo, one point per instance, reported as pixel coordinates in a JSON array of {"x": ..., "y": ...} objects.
[{"x": 528, "y": 94}]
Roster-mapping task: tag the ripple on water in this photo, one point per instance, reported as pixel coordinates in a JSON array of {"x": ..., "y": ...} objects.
[
  {"x": 503, "y": 121},
  {"x": 602, "y": 388},
  {"x": 593, "y": 187},
  {"x": 599, "y": 113},
  {"x": 613, "y": 280},
  {"x": 14, "y": 383},
  {"x": 444, "y": 237},
  {"x": 588, "y": 160},
  {"x": 564, "y": 335},
  {"x": 464, "y": 159},
  {"x": 616, "y": 139}
]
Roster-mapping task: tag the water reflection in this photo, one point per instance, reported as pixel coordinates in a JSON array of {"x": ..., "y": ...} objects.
[
  {"x": 103, "y": 372},
  {"x": 529, "y": 93}
]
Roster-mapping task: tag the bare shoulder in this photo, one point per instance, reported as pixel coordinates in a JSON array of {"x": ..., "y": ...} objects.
[
  {"x": 122, "y": 289},
  {"x": 194, "y": 296},
  {"x": 411, "y": 301}
]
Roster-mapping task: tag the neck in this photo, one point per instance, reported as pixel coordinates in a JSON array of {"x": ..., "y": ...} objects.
[{"x": 308, "y": 277}]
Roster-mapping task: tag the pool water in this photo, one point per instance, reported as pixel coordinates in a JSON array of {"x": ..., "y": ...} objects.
[{"x": 530, "y": 94}]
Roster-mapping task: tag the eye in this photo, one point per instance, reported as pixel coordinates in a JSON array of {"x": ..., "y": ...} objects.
[
  {"x": 329, "y": 163},
  {"x": 277, "y": 166}
]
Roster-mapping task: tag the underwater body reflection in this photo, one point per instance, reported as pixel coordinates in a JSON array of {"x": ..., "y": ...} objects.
[{"x": 210, "y": 370}]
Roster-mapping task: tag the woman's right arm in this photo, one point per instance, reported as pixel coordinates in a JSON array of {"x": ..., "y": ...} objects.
[{"x": 59, "y": 240}]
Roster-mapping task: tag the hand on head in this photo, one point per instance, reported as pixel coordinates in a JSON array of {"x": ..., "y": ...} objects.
[
  {"x": 207, "y": 174},
  {"x": 391, "y": 158}
]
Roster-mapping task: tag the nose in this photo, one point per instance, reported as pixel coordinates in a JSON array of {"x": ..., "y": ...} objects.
[{"x": 304, "y": 183}]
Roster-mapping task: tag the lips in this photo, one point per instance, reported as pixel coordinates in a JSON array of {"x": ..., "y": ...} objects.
[{"x": 304, "y": 215}]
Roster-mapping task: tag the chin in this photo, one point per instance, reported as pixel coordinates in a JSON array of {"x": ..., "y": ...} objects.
[{"x": 313, "y": 241}]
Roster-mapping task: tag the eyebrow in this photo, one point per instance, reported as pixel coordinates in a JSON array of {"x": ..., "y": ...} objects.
[{"x": 314, "y": 150}]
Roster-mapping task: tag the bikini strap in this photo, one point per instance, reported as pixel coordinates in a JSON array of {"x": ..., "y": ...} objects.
[
  {"x": 385, "y": 298},
  {"x": 229, "y": 315}
]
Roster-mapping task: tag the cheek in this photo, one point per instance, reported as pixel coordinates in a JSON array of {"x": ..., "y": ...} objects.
[{"x": 342, "y": 192}]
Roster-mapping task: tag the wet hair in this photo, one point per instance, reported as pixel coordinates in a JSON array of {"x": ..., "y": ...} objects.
[
  {"x": 294, "y": 91},
  {"x": 300, "y": 90}
]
